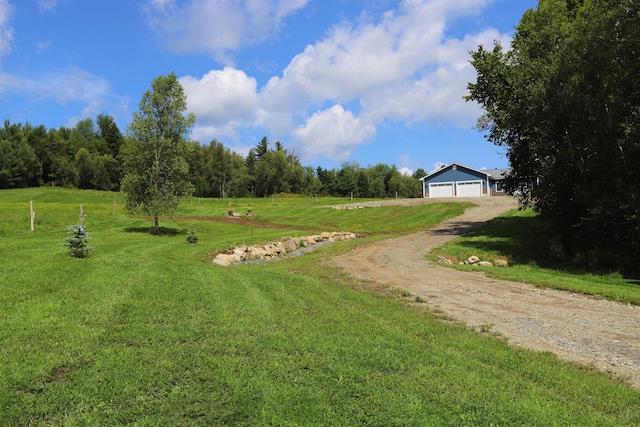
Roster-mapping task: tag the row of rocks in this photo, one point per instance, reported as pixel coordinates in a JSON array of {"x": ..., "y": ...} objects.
[
  {"x": 348, "y": 207},
  {"x": 279, "y": 248},
  {"x": 474, "y": 260}
]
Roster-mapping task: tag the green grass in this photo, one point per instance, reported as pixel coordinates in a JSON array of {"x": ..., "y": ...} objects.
[
  {"x": 147, "y": 332},
  {"x": 512, "y": 237}
]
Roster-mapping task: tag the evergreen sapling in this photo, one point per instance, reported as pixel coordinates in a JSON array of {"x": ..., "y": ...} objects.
[
  {"x": 192, "y": 237},
  {"x": 78, "y": 244}
]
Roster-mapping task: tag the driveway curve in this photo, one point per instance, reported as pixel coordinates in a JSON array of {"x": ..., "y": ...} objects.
[{"x": 593, "y": 332}]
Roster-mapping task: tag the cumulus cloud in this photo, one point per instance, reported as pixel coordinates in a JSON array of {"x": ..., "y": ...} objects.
[
  {"x": 217, "y": 26},
  {"x": 401, "y": 66},
  {"x": 405, "y": 161},
  {"x": 333, "y": 133},
  {"x": 405, "y": 171},
  {"x": 222, "y": 96}
]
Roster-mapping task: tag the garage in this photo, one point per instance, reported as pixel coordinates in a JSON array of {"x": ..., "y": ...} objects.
[
  {"x": 441, "y": 189},
  {"x": 456, "y": 180},
  {"x": 469, "y": 188}
]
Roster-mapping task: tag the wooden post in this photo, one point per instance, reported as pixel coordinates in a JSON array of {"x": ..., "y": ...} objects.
[
  {"x": 114, "y": 205},
  {"x": 273, "y": 200},
  {"x": 81, "y": 215},
  {"x": 32, "y": 215}
]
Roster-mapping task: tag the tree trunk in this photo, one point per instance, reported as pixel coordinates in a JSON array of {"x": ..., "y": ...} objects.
[{"x": 156, "y": 227}]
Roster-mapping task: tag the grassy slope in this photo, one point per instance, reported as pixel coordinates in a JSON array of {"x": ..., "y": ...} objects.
[
  {"x": 510, "y": 237},
  {"x": 147, "y": 332}
]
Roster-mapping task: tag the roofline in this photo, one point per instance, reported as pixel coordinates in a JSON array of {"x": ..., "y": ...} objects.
[{"x": 433, "y": 172}]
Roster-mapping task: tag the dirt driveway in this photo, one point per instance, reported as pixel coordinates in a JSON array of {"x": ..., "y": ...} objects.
[{"x": 598, "y": 333}]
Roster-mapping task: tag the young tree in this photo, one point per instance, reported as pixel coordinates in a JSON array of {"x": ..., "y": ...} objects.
[{"x": 155, "y": 167}]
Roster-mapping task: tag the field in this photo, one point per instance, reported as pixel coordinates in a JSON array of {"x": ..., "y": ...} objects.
[{"x": 147, "y": 332}]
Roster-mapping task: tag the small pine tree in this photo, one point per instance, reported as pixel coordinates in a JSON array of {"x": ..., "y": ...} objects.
[
  {"x": 78, "y": 244},
  {"x": 192, "y": 238}
]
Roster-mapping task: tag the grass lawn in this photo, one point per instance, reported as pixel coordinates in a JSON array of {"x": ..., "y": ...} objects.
[
  {"x": 509, "y": 237},
  {"x": 147, "y": 332}
]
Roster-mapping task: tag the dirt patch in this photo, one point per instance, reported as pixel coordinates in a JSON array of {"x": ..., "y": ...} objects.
[
  {"x": 597, "y": 333},
  {"x": 249, "y": 221}
]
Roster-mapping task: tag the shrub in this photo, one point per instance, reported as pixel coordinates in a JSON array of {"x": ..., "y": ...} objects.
[
  {"x": 78, "y": 244},
  {"x": 192, "y": 238}
]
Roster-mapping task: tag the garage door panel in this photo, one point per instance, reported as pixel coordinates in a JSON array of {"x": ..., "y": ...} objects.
[
  {"x": 469, "y": 189},
  {"x": 444, "y": 189}
]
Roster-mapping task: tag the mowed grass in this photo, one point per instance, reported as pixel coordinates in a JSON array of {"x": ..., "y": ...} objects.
[
  {"x": 147, "y": 332},
  {"x": 513, "y": 237}
]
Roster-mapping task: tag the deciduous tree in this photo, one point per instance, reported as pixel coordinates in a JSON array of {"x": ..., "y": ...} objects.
[
  {"x": 565, "y": 103},
  {"x": 155, "y": 168}
]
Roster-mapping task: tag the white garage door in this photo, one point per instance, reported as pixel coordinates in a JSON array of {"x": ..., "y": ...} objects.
[
  {"x": 441, "y": 189},
  {"x": 469, "y": 188}
]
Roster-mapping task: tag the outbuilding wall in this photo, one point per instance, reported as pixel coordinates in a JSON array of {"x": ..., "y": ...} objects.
[{"x": 449, "y": 174}]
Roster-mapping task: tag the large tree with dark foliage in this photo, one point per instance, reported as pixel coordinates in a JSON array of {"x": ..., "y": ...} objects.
[{"x": 565, "y": 103}]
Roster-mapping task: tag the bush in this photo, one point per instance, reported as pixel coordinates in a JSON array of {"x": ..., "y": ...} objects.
[
  {"x": 192, "y": 238},
  {"x": 78, "y": 244}
]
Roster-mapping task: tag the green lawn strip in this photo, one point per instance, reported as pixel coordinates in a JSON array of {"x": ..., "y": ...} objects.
[
  {"x": 381, "y": 220},
  {"x": 261, "y": 345},
  {"x": 512, "y": 237},
  {"x": 147, "y": 332}
]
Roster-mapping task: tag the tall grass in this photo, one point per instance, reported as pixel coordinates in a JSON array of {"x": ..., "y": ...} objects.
[{"x": 147, "y": 332}]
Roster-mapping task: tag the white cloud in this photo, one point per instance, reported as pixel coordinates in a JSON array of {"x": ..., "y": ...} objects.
[
  {"x": 405, "y": 171},
  {"x": 400, "y": 67},
  {"x": 405, "y": 161},
  {"x": 333, "y": 133},
  {"x": 6, "y": 31},
  {"x": 222, "y": 96},
  {"x": 70, "y": 84},
  {"x": 61, "y": 86},
  {"x": 435, "y": 93},
  {"x": 65, "y": 86},
  {"x": 217, "y": 26}
]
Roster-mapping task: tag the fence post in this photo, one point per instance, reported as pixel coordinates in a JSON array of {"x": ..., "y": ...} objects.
[{"x": 32, "y": 214}]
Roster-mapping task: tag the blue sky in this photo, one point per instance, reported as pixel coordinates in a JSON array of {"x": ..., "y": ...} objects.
[{"x": 367, "y": 81}]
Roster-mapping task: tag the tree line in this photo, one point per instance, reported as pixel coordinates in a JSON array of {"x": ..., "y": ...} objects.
[
  {"x": 564, "y": 101},
  {"x": 91, "y": 155}
]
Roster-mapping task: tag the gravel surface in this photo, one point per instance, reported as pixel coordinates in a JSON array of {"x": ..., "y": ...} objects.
[{"x": 598, "y": 333}]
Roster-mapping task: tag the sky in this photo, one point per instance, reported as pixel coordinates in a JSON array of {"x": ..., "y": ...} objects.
[{"x": 365, "y": 81}]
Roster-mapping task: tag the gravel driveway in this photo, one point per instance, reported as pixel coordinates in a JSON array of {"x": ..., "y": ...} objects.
[{"x": 578, "y": 328}]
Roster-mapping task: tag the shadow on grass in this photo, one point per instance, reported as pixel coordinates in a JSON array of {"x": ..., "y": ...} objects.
[
  {"x": 163, "y": 231},
  {"x": 525, "y": 240},
  {"x": 519, "y": 238},
  {"x": 457, "y": 228}
]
